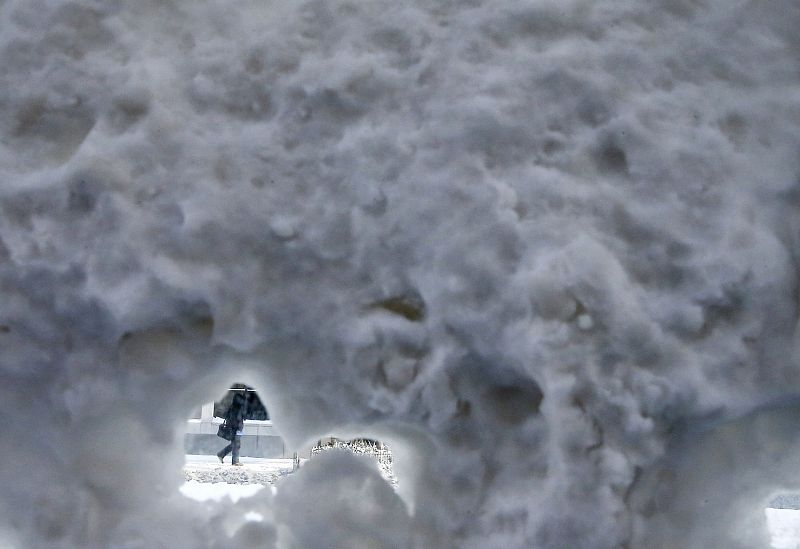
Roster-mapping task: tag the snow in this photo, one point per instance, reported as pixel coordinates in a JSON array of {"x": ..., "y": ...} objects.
[
  {"x": 257, "y": 471},
  {"x": 784, "y": 526},
  {"x": 216, "y": 491},
  {"x": 545, "y": 250}
]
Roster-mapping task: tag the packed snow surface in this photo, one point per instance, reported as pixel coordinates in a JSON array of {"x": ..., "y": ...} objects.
[
  {"x": 254, "y": 471},
  {"x": 546, "y": 250}
]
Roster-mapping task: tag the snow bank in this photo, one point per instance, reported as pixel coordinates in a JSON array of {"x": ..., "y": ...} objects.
[{"x": 545, "y": 250}]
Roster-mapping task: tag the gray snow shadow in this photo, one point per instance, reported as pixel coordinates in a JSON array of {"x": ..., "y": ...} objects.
[{"x": 712, "y": 488}]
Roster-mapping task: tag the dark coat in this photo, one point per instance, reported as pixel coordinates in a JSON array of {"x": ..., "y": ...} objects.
[{"x": 237, "y": 412}]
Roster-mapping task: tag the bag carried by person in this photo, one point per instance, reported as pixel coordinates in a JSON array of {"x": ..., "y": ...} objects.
[{"x": 226, "y": 431}]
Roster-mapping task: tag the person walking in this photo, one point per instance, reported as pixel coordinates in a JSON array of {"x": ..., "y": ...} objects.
[{"x": 232, "y": 427}]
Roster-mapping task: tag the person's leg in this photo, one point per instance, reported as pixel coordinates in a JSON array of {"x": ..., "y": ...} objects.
[
  {"x": 236, "y": 443},
  {"x": 224, "y": 452}
]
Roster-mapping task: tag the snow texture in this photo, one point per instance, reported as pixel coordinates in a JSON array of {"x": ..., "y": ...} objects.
[
  {"x": 546, "y": 250},
  {"x": 255, "y": 471}
]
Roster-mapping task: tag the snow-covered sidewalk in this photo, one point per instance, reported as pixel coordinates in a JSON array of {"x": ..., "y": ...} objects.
[{"x": 208, "y": 469}]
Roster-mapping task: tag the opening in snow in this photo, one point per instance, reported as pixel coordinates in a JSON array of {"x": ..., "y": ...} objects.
[
  {"x": 232, "y": 447},
  {"x": 233, "y": 450},
  {"x": 373, "y": 449}
]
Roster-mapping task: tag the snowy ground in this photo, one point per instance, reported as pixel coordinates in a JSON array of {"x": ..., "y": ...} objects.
[
  {"x": 208, "y": 480},
  {"x": 784, "y": 524},
  {"x": 254, "y": 471}
]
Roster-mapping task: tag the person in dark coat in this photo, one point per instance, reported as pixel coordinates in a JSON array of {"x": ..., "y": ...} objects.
[{"x": 235, "y": 418}]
